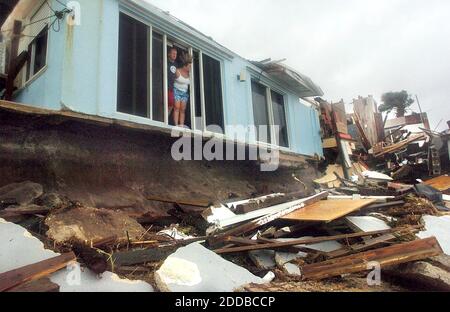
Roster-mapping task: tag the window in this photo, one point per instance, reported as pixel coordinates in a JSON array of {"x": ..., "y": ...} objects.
[
  {"x": 279, "y": 119},
  {"x": 37, "y": 48},
  {"x": 133, "y": 67},
  {"x": 213, "y": 92},
  {"x": 143, "y": 73},
  {"x": 260, "y": 112},
  {"x": 269, "y": 111},
  {"x": 158, "y": 77}
]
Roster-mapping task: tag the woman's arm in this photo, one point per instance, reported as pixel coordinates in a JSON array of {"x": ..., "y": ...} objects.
[{"x": 177, "y": 74}]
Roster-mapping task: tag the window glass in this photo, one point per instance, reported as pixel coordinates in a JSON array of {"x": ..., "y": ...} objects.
[
  {"x": 260, "y": 112},
  {"x": 158, "y": 77},
  {"x": 133, "y": 88},
  {"x": 212, "y": 81},
  {"x": 279, "y": 118}
]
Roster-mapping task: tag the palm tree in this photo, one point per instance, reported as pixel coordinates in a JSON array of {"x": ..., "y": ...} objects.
[{"x": 400, "y": 101}]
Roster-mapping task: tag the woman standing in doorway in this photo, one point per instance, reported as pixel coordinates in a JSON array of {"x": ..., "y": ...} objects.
[{"x": 181, "y": 90}]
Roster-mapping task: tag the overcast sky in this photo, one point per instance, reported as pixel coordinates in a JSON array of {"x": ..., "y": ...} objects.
[{"x": 348, "y": 47}]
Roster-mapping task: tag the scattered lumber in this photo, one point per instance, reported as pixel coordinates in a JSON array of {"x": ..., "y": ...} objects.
[
  {"x": 396, "y": 254},
  {"x": 398, "y": 146},
  {"x": 255, "y": 224},
  {"x": 315, "y": 240},
  {"x": 35, "y": 271},
  {"x": 43, "y": 285}
]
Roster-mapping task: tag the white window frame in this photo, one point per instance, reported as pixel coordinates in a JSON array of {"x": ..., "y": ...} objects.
[
  {"x": 190, "y": 49},
  {"x": 271, "y": 118},
  {"x": 32, "y": 77}
]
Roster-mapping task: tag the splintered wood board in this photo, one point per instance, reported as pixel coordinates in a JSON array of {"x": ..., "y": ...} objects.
[
  {"x": 328, "y": 210},
  {"x": 441, "y": 183}
]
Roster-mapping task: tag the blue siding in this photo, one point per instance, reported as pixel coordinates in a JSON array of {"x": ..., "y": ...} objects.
[{"x": 82, "y": 74}]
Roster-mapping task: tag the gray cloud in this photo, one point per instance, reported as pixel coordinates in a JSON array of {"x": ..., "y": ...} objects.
[{"x": 350, "y": 48}]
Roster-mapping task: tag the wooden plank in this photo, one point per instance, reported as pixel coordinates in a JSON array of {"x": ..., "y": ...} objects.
[
  {"x": 269, "y": 202},
  {"x": 314, "y": 240},
  {"x": 28, "y": 210},
  {"x": 43, "y": 285},
  {"x": 392, "y": 255},
  {"x": 441, "y": 183},
  {"x": 328, "y": 210},
  {"x": 184, "y": 201},
  {"x": 255, "y": 224},
  {"x": 35, "y": 271},
  {"x": 134, "y": 257}
]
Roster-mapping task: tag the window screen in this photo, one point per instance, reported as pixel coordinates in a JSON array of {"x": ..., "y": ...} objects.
[
  {"x": 158, "y": 77},
  {"x": 212, "y": 81},
  {"x": 279, "y": 118},
  {"x": 260, "y": 112}
]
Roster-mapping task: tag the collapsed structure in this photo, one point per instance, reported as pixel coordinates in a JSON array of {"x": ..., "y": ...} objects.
[{"x": 88, "y": 167}]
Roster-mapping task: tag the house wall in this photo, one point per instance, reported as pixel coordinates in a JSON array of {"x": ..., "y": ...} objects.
[{"x": 83, "y": 65}]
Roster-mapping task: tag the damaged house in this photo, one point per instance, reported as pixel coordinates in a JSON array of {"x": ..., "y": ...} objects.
[
  {"x": 92, "y": 183},
  {"x": 95, "y": 123}
]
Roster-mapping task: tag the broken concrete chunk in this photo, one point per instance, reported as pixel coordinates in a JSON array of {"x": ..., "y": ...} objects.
[
  {"x": 292, "y": 269},
  {"x": 89, "y": 224},
  {"x": 281, "y": 258},
  {"x": 438, "y": 227},
  {"x": 197, "y": 269},
  {"x": 367, "y": 224},
  {"x": 263, "y": 259},
  {"x": 21, "y": 193}
]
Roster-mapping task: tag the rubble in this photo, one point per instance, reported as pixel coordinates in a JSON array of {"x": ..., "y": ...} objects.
[
  {"x": 19, "y": 248},
  {"x": 370, "y": 205}
]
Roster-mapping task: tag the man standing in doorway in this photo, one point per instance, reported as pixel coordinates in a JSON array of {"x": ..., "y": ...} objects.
[{"x": 171, "y": 74}]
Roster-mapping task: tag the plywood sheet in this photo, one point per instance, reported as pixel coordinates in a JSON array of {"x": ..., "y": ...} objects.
[
  {"x": 328, "y": 210},
  {"x": 441, "y": 183}
]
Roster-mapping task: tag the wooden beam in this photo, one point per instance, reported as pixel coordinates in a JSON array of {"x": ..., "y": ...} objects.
[
  {"x": 314, "y": 240},
  {"x": 392, "y": 255},
  {"x": 185, "y": 201},
  {"x": 35, "y": 271},
  {"x": 252, "y": 205},
  {"x": 255, "y": 224},
  {"x": 43, "y": 285}
]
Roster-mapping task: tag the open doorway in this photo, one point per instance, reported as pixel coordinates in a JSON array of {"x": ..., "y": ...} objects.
[{"x": 181, "y": 51}]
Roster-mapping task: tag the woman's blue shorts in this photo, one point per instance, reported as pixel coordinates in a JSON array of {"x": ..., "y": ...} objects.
[{"x": 180, "y": 96}]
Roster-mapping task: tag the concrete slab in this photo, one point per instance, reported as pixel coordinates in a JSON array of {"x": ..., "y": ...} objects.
[
  {"x": 196, "y": 269},
  {"x": 19, "y": 248},
  {"x": 440, "y": 228}
]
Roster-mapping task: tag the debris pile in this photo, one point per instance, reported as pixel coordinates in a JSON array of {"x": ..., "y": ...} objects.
[{"x": 336, "y": 236}]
